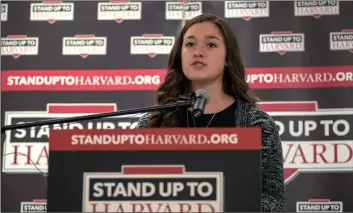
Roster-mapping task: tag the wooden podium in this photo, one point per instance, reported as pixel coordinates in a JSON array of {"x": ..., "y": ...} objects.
[{"x": 155, "y": 170}]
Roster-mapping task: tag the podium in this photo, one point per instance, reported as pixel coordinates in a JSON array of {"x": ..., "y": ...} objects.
[{"x": 155, "y": 170}]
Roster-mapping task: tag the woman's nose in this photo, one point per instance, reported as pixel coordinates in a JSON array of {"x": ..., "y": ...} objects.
[{"x": 199, "y": 52}]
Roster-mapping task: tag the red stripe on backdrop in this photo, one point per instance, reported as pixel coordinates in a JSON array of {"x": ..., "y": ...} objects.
[
  {"x": 73, "y": 80},
  {"x": 81, "y": 108},
  {"x": 288, "y": 106},
  {"x": 300, "y": 77},
  {"x": 150, "y": 79}
]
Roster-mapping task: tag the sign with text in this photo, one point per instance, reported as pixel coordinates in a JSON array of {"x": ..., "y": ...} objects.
[
  {"x": 183, "y": 170},
  {"x": 150, "y": 139},
  {"x": 162, "y": 189}
]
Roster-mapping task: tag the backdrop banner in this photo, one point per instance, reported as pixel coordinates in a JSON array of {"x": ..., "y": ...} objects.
[{"x": 62, "y": 59}]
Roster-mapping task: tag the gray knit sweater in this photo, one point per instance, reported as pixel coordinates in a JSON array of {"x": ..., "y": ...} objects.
[{"x": 249, "y": 115}]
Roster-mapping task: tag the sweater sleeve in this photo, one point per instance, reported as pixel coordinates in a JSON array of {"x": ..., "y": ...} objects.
[
  {"x": 273, "y": 199},
  {"x": 143, "y": 121}
]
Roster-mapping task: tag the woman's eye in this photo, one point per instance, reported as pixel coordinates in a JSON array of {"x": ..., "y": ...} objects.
[
  {"x": 189, "y": 44},
  {"x": 211, "y": 45}
]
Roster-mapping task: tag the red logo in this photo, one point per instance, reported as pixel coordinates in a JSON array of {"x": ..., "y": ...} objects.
[
  {"x": 26, "y": 150},
  {"x": 313, "y": 139}
]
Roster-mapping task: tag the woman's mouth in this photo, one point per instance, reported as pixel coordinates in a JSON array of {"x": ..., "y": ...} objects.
[{"x": 199, "y": 64}]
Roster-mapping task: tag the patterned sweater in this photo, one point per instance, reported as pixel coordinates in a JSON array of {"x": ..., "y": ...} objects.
[{"x": 249, "y": 115}]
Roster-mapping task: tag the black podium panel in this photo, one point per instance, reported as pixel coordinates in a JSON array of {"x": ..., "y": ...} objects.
[{"x": 233, "y": 175}]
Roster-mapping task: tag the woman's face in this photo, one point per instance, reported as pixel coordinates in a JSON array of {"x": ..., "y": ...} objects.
[{"x": 203, "y": 53}]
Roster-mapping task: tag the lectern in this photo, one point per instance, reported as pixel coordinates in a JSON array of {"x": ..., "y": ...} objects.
[{"x": 155, "y": 170}]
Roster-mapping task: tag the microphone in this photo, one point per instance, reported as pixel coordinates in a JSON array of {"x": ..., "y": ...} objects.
[
  {"x": 183, "y": 101},
  {"x": 197, "y": 101},
  {"x": 200, "y": 100}
]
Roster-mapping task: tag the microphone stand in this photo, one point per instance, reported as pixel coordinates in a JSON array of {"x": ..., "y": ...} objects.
[{"x": 184, "y": 101}]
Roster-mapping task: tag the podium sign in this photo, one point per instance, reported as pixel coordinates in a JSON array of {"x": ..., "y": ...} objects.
[{"x": 155, "y": 170}]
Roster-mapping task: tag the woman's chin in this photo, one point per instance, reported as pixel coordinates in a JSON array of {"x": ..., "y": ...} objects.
[
  {"x": 199, "y": 79},
  {"x": 200, "y": 76}
]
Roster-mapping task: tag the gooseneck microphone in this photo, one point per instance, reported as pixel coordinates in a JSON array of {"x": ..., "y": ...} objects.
[
  {"x": 200, "y": 100},
  {"x": 197, "y": 101}
]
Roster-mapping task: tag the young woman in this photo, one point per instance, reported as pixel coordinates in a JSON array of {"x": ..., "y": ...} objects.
[{"x": 206, "y": 56}]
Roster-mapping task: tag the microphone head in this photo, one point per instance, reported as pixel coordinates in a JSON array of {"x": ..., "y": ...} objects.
[{"x": 203, "y": 93}]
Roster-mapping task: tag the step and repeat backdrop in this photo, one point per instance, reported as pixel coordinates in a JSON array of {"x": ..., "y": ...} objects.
[{"x": 61, "y": 59}]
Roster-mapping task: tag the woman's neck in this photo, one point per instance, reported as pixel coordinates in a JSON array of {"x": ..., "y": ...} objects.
[{"x": 218, "y": 100}]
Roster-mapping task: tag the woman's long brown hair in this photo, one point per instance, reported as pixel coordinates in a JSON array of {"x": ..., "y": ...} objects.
[{"x": 175, "y": 84}]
